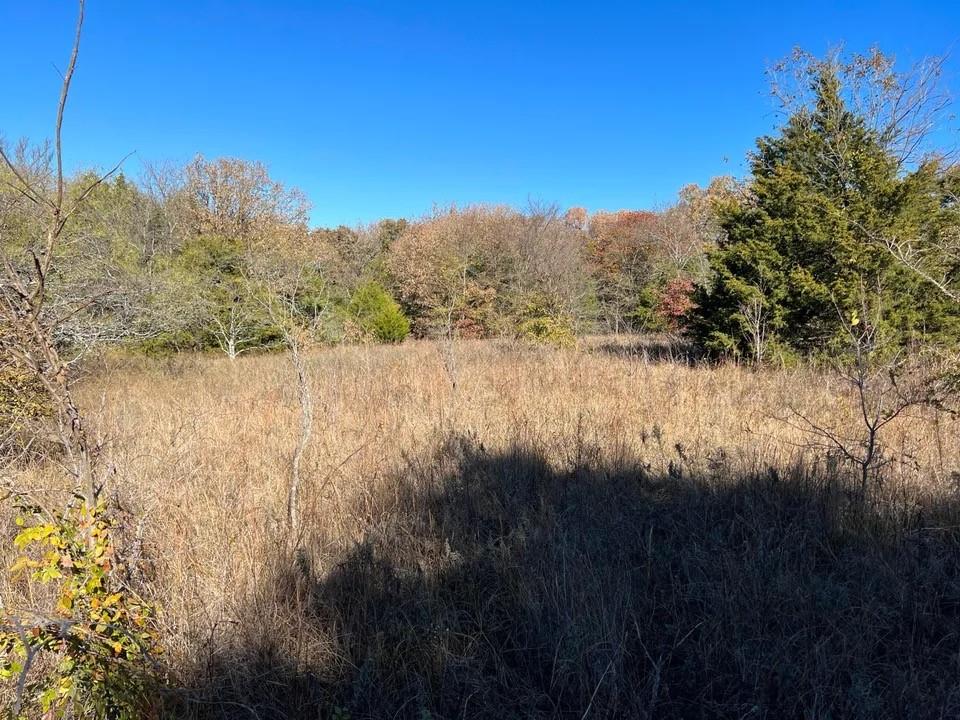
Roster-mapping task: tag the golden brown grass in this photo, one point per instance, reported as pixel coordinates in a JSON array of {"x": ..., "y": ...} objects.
[{"x": 572, "y": 533}]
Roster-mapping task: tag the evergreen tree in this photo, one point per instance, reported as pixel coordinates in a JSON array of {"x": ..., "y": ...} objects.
[
  {"x": 377, "y": 314},
  {"x": 803, "y": 249}
]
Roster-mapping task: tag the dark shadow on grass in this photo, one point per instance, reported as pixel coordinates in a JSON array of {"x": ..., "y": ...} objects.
[{"x": 494, "y": 586}]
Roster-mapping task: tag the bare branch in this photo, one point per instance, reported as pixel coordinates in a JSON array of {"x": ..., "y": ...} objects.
[{"x": 61, "y": 106}]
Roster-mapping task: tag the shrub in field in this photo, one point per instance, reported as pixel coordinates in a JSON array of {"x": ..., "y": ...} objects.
[
  {"x": 547, "y": 330},
  {"x": 89, "y": 657},
  {"x": 378, "y": 314},
  {"x": 537, "y": 318}
]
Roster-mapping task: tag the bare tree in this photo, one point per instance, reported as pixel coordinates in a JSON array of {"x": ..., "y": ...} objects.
[
  {"x": 283, "y": 312},
  {"x": 690, "y": 228},
  {"x": 902, "y": 108},
  {"x": 238, "y": 199},
  {"x": 232, "y": 332},
  {"x": 550, "y": 258},
  {"x": 32, "y": 329},
  {"x": 279, "y": 288},
  {"x": 753, "y": 319},
  {"x": 164, "y": 184}
]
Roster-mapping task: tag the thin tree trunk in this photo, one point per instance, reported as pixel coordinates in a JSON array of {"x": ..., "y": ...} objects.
[{"x": 305, "y": 398}]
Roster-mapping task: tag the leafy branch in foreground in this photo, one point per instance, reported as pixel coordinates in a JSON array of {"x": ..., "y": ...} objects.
[{"x": 99, "y": 643}]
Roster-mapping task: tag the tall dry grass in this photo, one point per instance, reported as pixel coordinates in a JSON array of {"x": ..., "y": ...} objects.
[{"x": 571, "y": 533}]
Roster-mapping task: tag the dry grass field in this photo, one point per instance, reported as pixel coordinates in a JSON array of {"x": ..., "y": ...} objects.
[{"x": 583, "y": 533}]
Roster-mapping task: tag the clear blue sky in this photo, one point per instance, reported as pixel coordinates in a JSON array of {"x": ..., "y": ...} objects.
[{"x": 383, "y": 109}]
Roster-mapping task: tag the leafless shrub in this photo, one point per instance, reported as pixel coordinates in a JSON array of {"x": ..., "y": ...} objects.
[{"x": 884, "y": 385}]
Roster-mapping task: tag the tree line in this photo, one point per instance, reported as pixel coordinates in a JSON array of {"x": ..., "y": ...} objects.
[
  {"x": 177, "y": 260},
  {"x": 849, "y": 210}
]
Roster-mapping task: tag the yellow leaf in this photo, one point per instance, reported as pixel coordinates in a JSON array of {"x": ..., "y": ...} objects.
[{"x": 22, "y": 563}]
